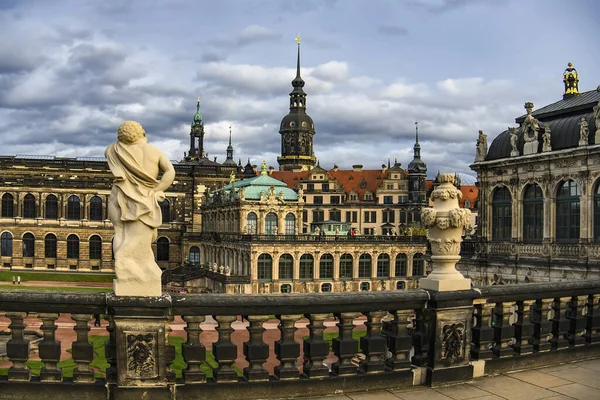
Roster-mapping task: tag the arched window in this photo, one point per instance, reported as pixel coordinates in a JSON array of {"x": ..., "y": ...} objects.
[
  {"x": 290, "y": 224},
  {"x": 326, "y": 287},
  {"x": 400, "y": 285},
  {"x": 8, "y": 210},
  {"x": 50, "y": 246},
  {"x": 326, "y": 267},
  {"x": 501, "y": 214},
  {"x": 251, "y": 221},
  {"x": 567, "y": 211},
  {"x": 271, "y": 223},
  {"x": 383, "y": 266},
  {"x": 95, "y": 209},
  {"x": 162, "y": 249},
  {"x": 418, "y": 265},
  {"x": 285, "y": 288},
  {"x": 29, "y": 206},
  {"x": 73, "y": 208},
  {"x": 364, "y": 266},
  {"x": 307, "y": 264},
  {"x": 597, "y": 212},
  {"x": 365, "y": 286},
  {"x": 28, "y": 245},
  {"x": 401, "y": 262},
  {"x": 95, "y": 248},
  {"x": 346, "y": 262},
  {"x": 194, "y": 255},
  {"x": 6, "y": 244},
  {"x": 264, "y": 267},
  {"x": 72, "y": 246},
  {"x": 51, "y": 207},
  {"x": 286, "y": 266},
  {"x": 165, "y": 209},
  {"x": 533, "y": 213}
]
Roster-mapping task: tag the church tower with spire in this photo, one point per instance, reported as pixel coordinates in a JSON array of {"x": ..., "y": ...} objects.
[
  {"x": 297, "y": 129},
  {"x": 229, "y": 161},
  {"x": 196, "y": 151},
  {"x": 417, "y": 174}
]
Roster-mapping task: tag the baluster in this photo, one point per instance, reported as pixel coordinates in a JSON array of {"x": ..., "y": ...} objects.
[
  {"x": 503, "y": 330},
  {"x": 224, "y": 350},
  {"x": 286, "y": 348},
  {"x": 316, "y": 349},
  {"x": 523, "y": 328},
  {"x": 344, "y": 346},
  {"x": 420, "y": 338},
  {"x": 592, "y": 330},
  {"x": 483, "y": 333},
  {"x": 110, "y": 349},
  {"x": 373, "y": 345},
  {"x": 542, "y": 327},
  {"x": 194, "y": 352},
  {"x": 17, "y": 348},
  {"x": 49, "y": 349},
  {"x": 255, "y": 350},
  {"x": 399, "y": 340},
  {"x": 560, "y": 323},
  {"x": 82, "y": 349},
  {"x": 577, "y": 321}
]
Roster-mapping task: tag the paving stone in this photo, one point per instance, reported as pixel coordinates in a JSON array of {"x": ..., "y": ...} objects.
[
  {"x": 578, "y": 391},
  {"x": 373, "y": 395},
  {"x": 558, "y": 397},
  {"x": 587, "y": 377},
  {"x": 538, "y": 378},
  {"x": 590, "y": 364},
  {"x": 555, "y": 368},
  {"x": 512, "y": 389},
  {"x": 421, "y": 394},
  {"x": 462, "y": 392}
]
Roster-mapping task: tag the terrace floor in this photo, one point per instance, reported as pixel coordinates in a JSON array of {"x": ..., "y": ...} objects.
[{"x": 578, "y": 380}]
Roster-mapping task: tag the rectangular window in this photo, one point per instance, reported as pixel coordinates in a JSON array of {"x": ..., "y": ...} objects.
[
  {"x": 335, "y": 215},
  {"x": 318, "y": 200},
  {"x": 318, "y": 216},
  {"x": 402, "y": 199},
  {"x": 326, "y": 187},
  {"x": 310, "y": 187},
  {"x": 388, "y": 216},
  {"x": 370, "y": 216},
  {"x": 335, "y": 200},
  {"x": 388, "y": 199},
  {"x": 304, "y": 216},
  {"x": 369, "y": 231}
]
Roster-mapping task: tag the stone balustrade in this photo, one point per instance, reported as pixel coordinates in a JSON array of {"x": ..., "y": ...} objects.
[{"x": 353, "y": 341}]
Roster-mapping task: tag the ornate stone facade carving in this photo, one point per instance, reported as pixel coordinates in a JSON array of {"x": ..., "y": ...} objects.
[
  {"x": 529, "y": 128},
  {"x": 583, "y": 132},
  {"x": 141, "y": 355},
  {"x": 481, "y": 147},
  {"x": 514, "y": 142},
  {"x": 546, "y": 139},
  {"x": 453, "y": 337}
]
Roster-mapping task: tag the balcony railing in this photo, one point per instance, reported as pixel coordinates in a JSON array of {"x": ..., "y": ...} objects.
[
  {"x": 312, "y": 238},
  {"x": 316, "y": 344}
]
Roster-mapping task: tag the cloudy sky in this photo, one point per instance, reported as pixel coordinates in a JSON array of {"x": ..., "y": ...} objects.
[{"x": 72, "y": 70}]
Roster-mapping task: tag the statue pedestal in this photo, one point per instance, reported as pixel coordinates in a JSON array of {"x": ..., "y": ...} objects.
[
  {"x": 445, "y": 277},
  {"x": 530, "y": 147},
  {"x": 149, "y": 288},
  {"x": 514, "y": 153},
  {"x": 597, "y": 137}
]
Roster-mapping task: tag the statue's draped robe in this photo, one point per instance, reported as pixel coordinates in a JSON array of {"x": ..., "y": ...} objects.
[{"x": 135, "y": 213}]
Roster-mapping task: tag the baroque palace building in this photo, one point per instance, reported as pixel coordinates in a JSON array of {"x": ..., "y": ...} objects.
[
  {"x": 539, "y": 186},
  {"x": 53, "y": 211}
]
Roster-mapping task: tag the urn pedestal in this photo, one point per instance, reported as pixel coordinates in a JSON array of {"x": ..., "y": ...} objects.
[{"x": 445, "y": 222}]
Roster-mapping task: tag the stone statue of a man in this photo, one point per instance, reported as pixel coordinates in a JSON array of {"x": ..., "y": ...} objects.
[
  {"x": 482, "y": 147},
  {"x": 583, "y": 132},
  {"x": 134, "y": 210},
  {"x": 597, "y": 122}
]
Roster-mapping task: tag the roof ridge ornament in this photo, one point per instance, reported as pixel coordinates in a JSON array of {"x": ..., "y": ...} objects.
[{"x": 571, "y": 81}]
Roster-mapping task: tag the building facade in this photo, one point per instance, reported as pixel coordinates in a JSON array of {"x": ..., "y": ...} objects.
[
  {"x": 53, "y": 211},
  {"x": 252, "y": 241},
  {"x": 539, "y": 194}
]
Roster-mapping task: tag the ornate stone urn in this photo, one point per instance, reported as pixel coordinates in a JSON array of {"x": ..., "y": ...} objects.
[{"x": 445, "y": 223}]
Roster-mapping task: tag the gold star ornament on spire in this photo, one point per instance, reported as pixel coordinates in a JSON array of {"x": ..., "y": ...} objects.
[{"x": 297, "y": 39}]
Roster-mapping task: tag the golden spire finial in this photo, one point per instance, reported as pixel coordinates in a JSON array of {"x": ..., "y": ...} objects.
[
  {"x": 198, "y": 99},
  {"x": 297, "y": 39},
  {"x": 263, "y": 168}
]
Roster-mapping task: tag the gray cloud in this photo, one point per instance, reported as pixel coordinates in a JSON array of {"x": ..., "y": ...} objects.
[{"x": 392, "y": 30}]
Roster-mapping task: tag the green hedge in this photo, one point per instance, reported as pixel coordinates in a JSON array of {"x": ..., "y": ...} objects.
[{"x": 7, "y": 276}]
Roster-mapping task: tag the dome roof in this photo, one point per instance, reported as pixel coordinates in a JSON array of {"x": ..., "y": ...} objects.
[
  {"x": 563, "y": 117},
  {"x": 297, "y": 121}
]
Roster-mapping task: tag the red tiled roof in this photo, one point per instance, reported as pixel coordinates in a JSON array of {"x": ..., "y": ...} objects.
[
  {"x": 469, "y": 192},
  {"x": 292, "y": 179}
]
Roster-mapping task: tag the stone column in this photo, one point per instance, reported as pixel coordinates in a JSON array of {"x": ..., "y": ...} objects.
[{"x": 446, "y": 221}]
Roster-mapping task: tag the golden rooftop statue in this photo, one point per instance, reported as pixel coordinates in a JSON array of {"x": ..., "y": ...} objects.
[
  {"x": 297, "y": 39},
  {"x": 571, "y": 80}
]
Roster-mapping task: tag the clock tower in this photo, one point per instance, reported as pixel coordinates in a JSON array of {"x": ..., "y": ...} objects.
[{"x": 297, "y": 129}]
